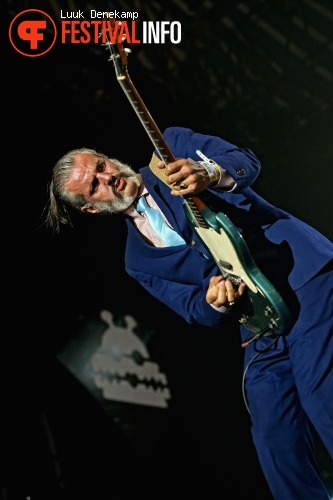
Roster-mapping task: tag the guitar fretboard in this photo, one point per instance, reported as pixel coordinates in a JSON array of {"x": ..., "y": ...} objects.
[{"x": 146, "y": 119}]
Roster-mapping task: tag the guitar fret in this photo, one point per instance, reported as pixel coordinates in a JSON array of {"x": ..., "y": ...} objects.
[
  {"x": 141, "y": 114},
  {"x": 196, "y": 213}
]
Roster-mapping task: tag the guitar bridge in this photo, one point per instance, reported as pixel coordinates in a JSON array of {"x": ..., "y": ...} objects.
[{"x": 235, "y": 280}]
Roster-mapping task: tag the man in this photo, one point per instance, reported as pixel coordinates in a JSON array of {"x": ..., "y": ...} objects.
[{"x": 289, "y": 377}]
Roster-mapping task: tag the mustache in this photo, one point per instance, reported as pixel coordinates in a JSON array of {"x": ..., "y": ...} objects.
[{"x": 120, "y": 175}]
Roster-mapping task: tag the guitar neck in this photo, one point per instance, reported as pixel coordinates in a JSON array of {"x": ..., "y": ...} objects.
[
  {"x": 118, "y": 55},
  {"x": 145, "y": 118},
  {"x": 192, "y": 202}
]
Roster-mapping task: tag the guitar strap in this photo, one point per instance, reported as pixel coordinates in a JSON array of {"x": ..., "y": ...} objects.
[{"x": 159, "y": 172}]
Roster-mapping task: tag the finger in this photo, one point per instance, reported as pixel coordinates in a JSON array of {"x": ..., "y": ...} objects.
[
  {"x": 213, "y": 295},
  {"x": 233, "y": 294},
  {"x": 230, "y": 291},
  {"x": 175, "y": 166},
  {"x": 229, "y": 286},
  {"x": 214, "y": 280},
  {"x": 184, "y": 186},
  {"x": 222, "y": 297},
  {"x": 179, "y": 185},
  {"x": 183, "y": 189},
  {"x": 178, "y": 192}
]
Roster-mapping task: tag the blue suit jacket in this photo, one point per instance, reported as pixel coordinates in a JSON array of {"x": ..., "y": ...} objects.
[{"x": 288, "y": 251}]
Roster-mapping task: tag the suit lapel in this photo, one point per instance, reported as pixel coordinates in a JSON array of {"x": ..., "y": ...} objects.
[{"x": 161, "y": 194}]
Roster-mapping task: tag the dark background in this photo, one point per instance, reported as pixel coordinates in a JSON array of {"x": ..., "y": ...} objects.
[{"x": 257, "y": 73}]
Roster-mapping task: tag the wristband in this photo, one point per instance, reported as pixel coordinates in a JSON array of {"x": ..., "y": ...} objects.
[{"x": 212, "y": 168}]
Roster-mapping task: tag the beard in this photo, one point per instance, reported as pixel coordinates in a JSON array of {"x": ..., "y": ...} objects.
[{"x": 120, "y": 202}]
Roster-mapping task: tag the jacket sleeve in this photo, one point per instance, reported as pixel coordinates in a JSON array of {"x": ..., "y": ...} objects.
[
  {"x": 186, "y": 299},
  {"x": 240, "y": 163}
]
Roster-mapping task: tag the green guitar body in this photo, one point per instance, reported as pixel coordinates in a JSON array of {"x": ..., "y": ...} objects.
[{"x": 264, "y": 309}]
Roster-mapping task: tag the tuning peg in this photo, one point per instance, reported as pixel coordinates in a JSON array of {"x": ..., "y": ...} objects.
[
  {"x": 113, "y": 56},
  {"x": 128, "y": 51}
]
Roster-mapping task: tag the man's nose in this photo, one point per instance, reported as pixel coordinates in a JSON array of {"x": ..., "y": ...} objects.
[{"x": 104, "y": 177}]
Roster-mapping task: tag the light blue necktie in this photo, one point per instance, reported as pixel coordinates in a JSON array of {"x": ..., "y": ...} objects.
[{"x": 161, "y": 228}]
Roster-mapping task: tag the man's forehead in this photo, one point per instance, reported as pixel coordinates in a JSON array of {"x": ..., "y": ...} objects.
[
  {"x": 85, "y": 159},
  {"x": 83, "y": 167}
]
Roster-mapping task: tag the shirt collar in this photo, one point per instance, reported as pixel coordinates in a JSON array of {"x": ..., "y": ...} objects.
[{"x": 131, "y": 211}]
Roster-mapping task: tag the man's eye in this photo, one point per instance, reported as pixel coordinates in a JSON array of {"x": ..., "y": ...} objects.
[{"x": 101, "y": 166}]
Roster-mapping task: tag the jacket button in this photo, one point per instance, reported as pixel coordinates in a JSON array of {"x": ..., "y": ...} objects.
[
  {"x": 192, "y": 243},
  {"x": 241, "y": 171}
]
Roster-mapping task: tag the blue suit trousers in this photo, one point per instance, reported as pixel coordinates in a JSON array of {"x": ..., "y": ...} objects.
[{"x": 286, "y": 384}]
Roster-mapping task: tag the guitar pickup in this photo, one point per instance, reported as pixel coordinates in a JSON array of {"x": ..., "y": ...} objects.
[{"x": 226, "y": 265}]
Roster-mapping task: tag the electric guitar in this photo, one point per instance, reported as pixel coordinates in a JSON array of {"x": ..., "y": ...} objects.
[{"x": 264, "y": 311}]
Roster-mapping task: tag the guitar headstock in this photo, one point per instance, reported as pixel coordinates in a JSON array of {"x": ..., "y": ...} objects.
[
  {"x": 113, "y": 34},
  {"x": 112, "y": 40}
]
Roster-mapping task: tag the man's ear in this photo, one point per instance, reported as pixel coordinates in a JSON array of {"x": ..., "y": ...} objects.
[{"x": 90, "y": 209}]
